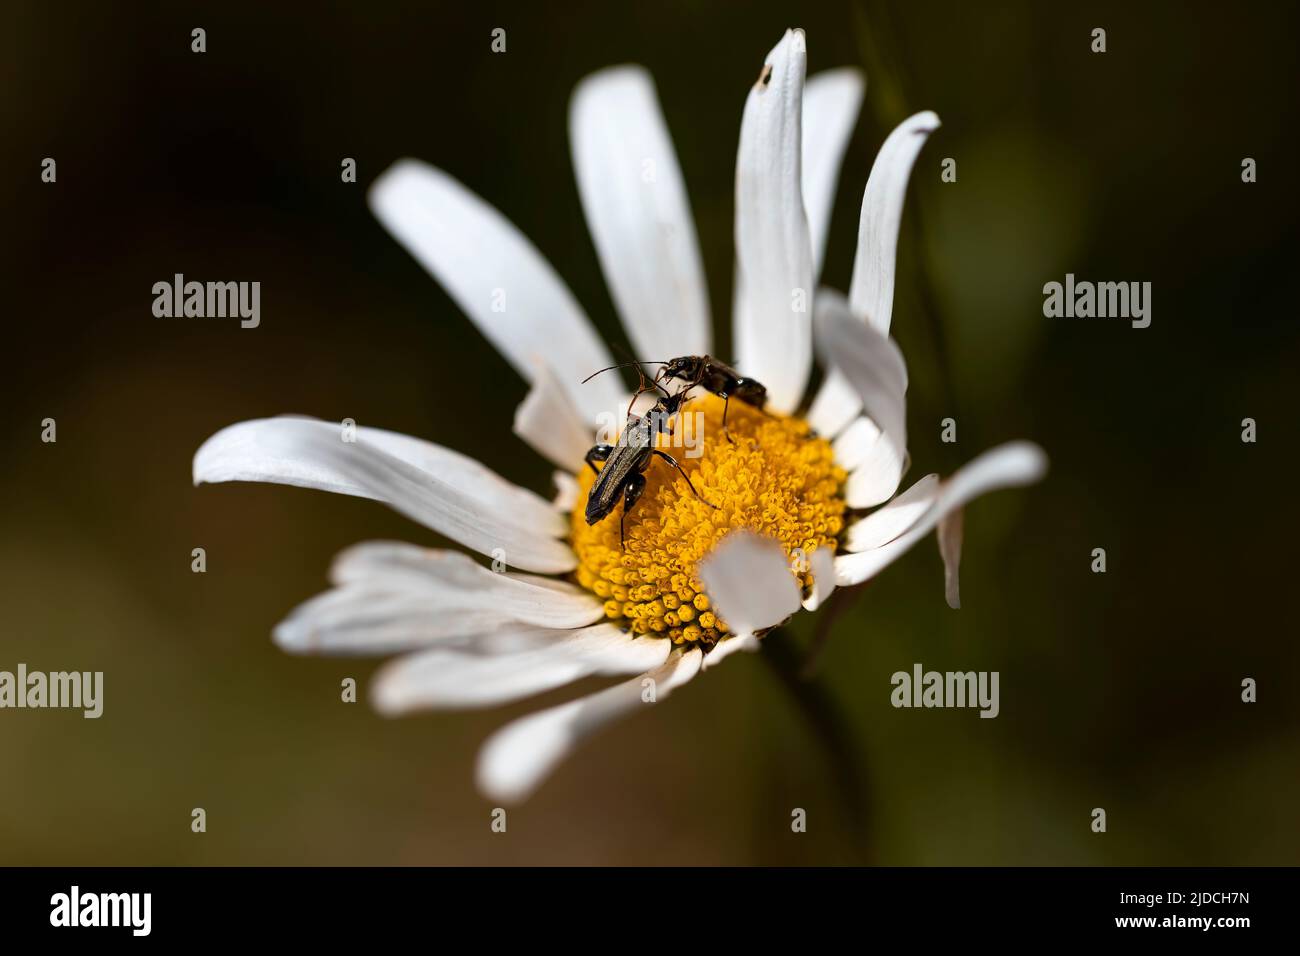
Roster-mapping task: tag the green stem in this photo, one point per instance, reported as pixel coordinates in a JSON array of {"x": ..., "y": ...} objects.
[{"x": 829, "y": 724}]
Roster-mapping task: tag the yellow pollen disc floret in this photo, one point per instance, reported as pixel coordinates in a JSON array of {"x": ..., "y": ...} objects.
[{"x": 775, "y": 478}]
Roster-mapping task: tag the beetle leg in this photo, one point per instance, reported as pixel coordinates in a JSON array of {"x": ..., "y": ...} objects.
[
  {"x": 598, "y": 453},
  {"x": 726, "y": 404},
  {"x": 631, "y": 495},
  {"x": 673, "y": 461}
]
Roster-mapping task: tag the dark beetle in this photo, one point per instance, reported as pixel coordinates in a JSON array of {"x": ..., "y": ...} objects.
[
  {"x": 717, "y": 377},
  {"x": 624, "y": 463},
  {"x": 705, "y": 372}
]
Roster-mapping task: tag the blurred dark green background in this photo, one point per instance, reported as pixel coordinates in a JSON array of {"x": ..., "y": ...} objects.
[{"x": 1118, "y": 690}]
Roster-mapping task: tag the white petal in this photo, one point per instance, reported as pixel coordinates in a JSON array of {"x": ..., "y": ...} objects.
[
  {"x": 854, "y": 444},
  {"x": 469, "y": 476},
  {"x": 550, "y": 422},
  {"x": 831, "y": 103},
  {"x": 872, "y": 365},
  {"x": 497, "y": 277},
  {"x": 871, "y": 292},
  {"x": 1007, "y": 466},
  {"x": 872, "y": 463},
  {"x": 724, "y": 649},
  {"x": 517, "y": 758},
  {"x": 773, "y": 246},
  {"x": 831, "y": 100},
  {"x": 372, "y": 619},
  {"x": 449, "y": 678},
  {"x": 464, "y": 500},
  {"x": 455, "y": 581},
  {"x": 452, "y": 680},
  {"x": 834, "y": 407},
  {"x": 566, "y": 491},
  {"x": 876, "y": 478},
  {"x": 950, "y": 550},
  {"x": 749, "y": 582},
  {"x": 885, "y": 524},
  {"x": 822, "y": 566},
  {"x": 636, "y": 206}
]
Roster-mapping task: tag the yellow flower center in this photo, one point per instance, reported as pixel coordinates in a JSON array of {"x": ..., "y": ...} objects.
[{"x": 774, "y": 478}]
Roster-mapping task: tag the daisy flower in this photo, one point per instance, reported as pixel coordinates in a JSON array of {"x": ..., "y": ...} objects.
[{"x": 783, "y": 518}]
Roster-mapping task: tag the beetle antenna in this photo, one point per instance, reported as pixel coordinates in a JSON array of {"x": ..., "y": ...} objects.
[{"x": 608, "y": 368}]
